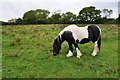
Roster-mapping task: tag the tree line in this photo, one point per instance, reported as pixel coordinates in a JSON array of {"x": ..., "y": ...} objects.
[{"x": 86, "y": 15}]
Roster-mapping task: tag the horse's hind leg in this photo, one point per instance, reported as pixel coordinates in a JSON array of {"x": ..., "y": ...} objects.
[
  {"x": 96, "y": 47},
  {"x": 70, "y": 53}
]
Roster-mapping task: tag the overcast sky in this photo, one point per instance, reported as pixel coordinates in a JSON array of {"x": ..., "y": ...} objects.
[{"x": 16, "y": 8}]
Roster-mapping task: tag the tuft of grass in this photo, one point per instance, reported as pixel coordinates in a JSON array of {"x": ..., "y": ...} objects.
[{"x": 17, "y": 39}]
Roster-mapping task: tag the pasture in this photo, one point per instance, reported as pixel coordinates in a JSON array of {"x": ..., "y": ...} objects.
[{"x": 27, "y": 53}]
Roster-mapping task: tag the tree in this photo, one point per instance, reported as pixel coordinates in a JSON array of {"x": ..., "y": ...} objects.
[
  {"x": 35, "y": 16},
  {"x": 41, "y": 15},
  {"x": 19, "y": 21},
  {"x": 89, "y": 14},
  {"x": 104, "y": 11},
  {"x": 68, "y": 17},
  {"x": 29, "y": 17},
  {"x": 56, "y": 18},
  {"x": 107, "y": 13}
]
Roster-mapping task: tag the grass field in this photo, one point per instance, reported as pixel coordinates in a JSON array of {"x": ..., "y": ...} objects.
[{"x": 27, "y": 53}]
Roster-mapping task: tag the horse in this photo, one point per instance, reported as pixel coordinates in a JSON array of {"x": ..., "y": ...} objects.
[{"x": 78, "y": 35}]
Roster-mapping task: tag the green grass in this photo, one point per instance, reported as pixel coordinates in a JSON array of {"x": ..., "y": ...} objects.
[{"x": 27, "y": 53}]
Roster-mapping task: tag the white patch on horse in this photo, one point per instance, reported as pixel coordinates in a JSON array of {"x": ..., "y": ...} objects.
[
  {"x": 69, "y": 54},
  {"x": 78, "y": 53},
  {"x": 78, "y": 32},
  {"x": 96, "y": 49}
]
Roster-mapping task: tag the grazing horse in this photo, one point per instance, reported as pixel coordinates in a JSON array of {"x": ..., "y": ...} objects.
[{"x": 74, "y": 35}]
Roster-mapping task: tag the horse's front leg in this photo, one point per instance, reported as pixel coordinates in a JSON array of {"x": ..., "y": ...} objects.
[
  {"x": 70, "y": 53},
  {"x": 78, "y": 50}
]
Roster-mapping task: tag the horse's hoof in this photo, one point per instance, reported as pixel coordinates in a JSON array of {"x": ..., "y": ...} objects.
[
  {"x": 93, "y": 54},
  {"x": 68, "y": 56},
  {"x": 78, "y": 57}
]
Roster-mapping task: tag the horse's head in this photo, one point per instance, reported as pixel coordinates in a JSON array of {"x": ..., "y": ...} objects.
[{"x": 56, "y": 46}]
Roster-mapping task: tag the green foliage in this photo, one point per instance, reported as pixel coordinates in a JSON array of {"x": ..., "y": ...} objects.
[
  {"x": 68, "y": 18},
  {"x": 19, "y": 21},
  {"x": 41, "y": 15},
  {"x": 29, "y": 17},
  {"x": 89, "y": 14},
  {"x": 107, "y": 13},
  {"x": 35, "y": 16},
  {"x": 56, "y": 18},
  {"x": 30, "y": 55}
]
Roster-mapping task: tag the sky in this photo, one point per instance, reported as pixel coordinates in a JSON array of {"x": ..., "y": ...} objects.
[{"x": 16, "y": 8}]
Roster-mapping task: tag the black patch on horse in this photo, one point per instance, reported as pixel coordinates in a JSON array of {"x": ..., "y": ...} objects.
[
  {"x": 93, "y": 32},
  {"x": 68, "y": 36},
  {"x": 85, "y": 40}
]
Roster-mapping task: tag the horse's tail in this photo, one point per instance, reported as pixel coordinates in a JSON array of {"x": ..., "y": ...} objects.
[
  {"x": 99, "y": 38},
  {"x": 99, "y": 42}
]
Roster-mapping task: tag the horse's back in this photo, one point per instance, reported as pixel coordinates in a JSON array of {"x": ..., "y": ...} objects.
[{"x": 69, "y": 28}]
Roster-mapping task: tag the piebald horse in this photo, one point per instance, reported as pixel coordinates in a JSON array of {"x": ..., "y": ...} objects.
[{"x": 74, "y": 35}]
